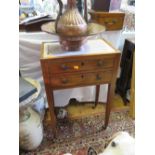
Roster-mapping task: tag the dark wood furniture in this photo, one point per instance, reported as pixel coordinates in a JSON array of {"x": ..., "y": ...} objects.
[
  {"x": 132, "y": 90},
  {"x": 123, "y": 83},
  {"x": 34, "y": 25},
  {"x": 96, "y": 64},
  {"x": 101, "y": 5},
  {"x": 111, "y": 20},
  {"x": 106, "y": 5}
]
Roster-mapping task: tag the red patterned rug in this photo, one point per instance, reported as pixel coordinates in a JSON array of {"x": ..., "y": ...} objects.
[{"x": 76, "y": 136}]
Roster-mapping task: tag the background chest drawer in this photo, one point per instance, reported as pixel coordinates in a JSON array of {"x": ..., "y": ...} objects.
[
  {"x": 81, "y": 65},
  {"x": 66, "y": 80},
  {"x": 112, "y": 21}
]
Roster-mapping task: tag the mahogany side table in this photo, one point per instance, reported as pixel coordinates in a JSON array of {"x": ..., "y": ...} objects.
[{"x": 96, "y": 63}]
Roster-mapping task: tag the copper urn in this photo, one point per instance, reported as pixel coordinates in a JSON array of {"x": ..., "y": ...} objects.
[
  {"x": 71, "y": 26},
  {"x": 73, "y": 30}
]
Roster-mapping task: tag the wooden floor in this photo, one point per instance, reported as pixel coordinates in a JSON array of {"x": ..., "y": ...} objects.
[{"x": 86, "y": 109}]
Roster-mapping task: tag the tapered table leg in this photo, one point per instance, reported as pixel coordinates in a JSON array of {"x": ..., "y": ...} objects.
[
  {"x": 108, "y": 104},
  {"x": 49, "y": 93},
  {"x": 97, "y": 95}
]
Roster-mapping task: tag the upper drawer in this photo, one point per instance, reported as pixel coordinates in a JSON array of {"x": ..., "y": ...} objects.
[
  {"x": 79, "y": 65},
  {"x": 112, "y": 21}
]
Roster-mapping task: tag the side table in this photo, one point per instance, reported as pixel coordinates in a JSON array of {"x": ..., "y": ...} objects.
[{"x": 96, "y": 63}]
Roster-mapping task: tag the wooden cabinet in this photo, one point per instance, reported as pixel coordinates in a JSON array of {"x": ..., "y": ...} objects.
[
  {"x": 95, "y": 64},
  {"x": 123, "y": 83},
  {"x": 112, "y": 21},
  {"x": 132, "y": 91}
]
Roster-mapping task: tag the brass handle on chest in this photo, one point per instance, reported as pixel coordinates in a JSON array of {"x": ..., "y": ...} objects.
[
  {"x": 100, "y": 63},
  {"x": 98, "y": 77},
  {"x": 64, "y": 81},
  {"x": 110, "y": 23}
]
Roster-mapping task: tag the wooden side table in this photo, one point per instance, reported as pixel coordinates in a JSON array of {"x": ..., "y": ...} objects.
[{"x": 95, "y": 64}]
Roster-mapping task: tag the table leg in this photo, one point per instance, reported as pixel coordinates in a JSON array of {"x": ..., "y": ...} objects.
[
  {"x": 108, "y": 104},
  {"x": 97, "y": 95},
  {"x": 50, "y": 99}
]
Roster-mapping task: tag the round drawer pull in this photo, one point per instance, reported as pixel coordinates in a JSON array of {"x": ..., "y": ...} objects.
[
  {"x": 82, "y": 76},
  {"x": 64, "y": 67},
  {"x": 98, "y": 77},
  {"x": 100, "y": 63},
  {"x": 110, "y": 22},
  {"x": 64, "y": 81},
  {"x": 82, "y": 63}
]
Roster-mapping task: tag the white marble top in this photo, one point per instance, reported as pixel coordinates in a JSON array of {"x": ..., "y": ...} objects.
[{"x": 97, "y": 46}]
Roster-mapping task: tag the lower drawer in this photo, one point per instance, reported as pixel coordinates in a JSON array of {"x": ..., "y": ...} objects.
[{"x": 64, "y": 81}]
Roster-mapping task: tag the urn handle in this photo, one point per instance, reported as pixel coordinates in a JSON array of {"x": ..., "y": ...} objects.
[
  {"x": 59, "y": 14},
  {"x": 85, "y": 11}
]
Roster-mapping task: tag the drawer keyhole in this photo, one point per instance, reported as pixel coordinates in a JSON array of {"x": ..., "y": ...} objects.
[
  {"x": 82, "y": 76},
  {"x": 100, "y": 63}
]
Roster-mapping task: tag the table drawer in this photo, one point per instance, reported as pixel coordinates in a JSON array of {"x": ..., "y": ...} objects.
[
  {"x": 67, "y": 80},
  {"x": 80, "y": 65},
  {"x": 112, "y": 23}
]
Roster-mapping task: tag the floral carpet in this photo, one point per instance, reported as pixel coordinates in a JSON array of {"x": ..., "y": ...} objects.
[{"x": 76, "y": 136}]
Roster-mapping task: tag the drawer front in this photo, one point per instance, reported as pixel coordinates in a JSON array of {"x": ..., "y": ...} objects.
[
  {"x": 81, "y": 79},
  {"x": 80, "y": 65},
  {"x": 112, "y": 21}
]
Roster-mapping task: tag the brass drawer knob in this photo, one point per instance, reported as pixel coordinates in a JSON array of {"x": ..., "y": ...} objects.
[
  {"x": 110, "y": 22},
  {"x": 64, "y": 81},
  {"x": 100, "y": 63},
  {"x": 98, "y": 77},
  {"x": 82, "y": 76},
  {"x": 82, "y": 63},
  {"x": 64, "y": 67}
]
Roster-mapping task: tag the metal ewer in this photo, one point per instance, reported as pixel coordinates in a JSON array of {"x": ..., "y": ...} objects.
[{"x": 72, "y": 29}]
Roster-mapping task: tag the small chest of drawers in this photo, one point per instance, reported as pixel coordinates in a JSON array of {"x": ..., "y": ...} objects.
[{"x": 96, "y": 63}]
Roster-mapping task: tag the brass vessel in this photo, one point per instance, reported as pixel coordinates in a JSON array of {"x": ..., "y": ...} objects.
[
  {"x": 72, "y": 29},
  {"x": 71, "y": 23}
]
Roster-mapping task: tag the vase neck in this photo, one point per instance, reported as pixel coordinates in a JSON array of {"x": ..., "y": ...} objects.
[{"x": 71, "y": 4}]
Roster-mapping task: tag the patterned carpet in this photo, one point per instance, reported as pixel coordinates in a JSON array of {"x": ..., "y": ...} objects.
[{"x": 75, "y": 136}]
